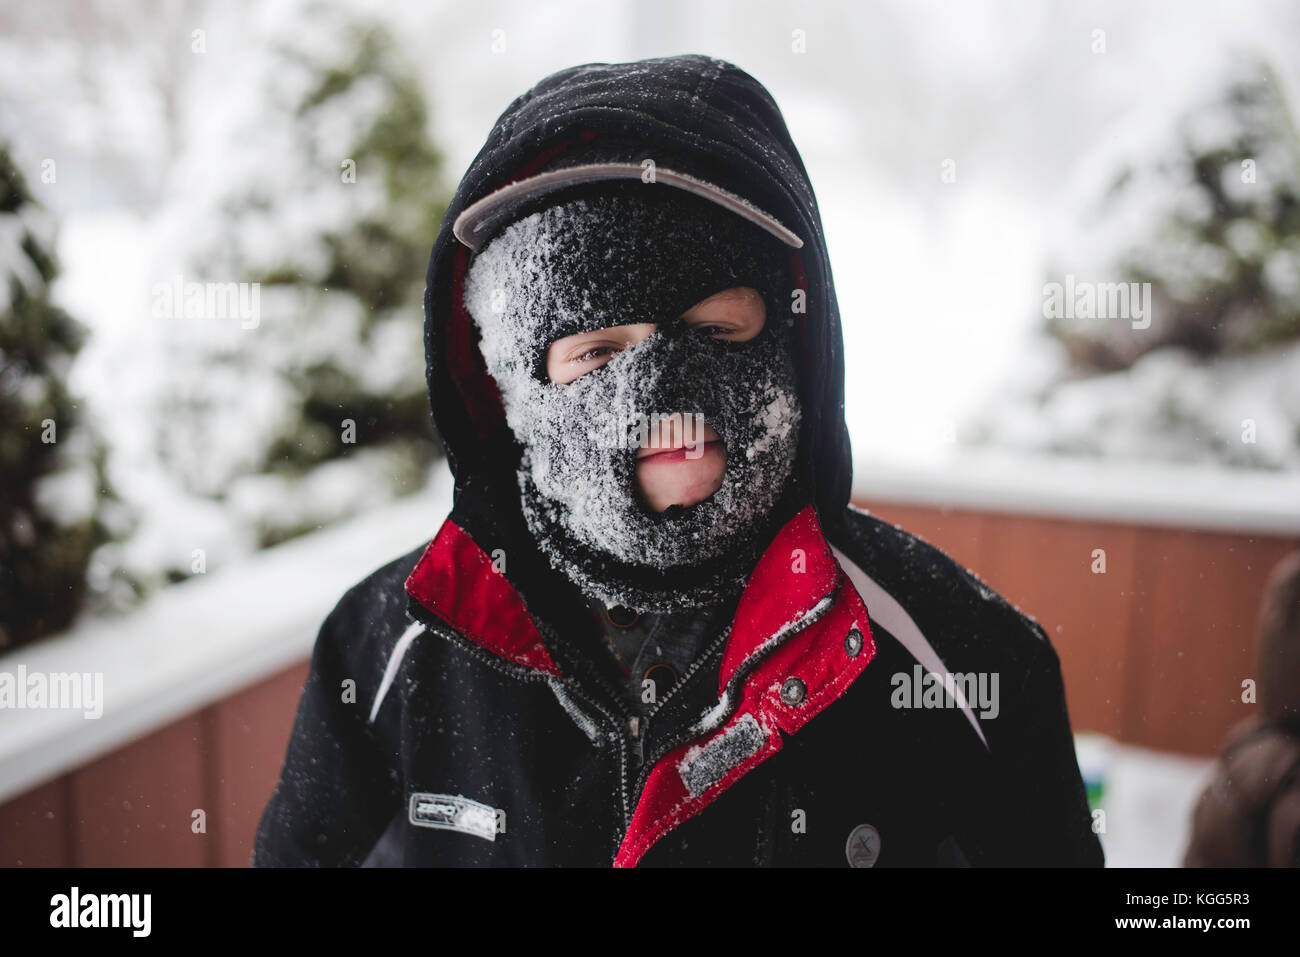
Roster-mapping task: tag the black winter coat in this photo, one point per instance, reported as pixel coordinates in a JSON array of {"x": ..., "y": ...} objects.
[{"x": 482, "y": 726}]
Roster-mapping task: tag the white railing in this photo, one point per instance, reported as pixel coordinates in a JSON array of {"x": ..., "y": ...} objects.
[{"x": 1180, "y": 496}]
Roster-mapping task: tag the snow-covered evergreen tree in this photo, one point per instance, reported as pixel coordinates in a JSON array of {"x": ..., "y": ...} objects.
[
  {"x": 316, "y": 407},
  {"x": 52, "y": 489},
  {"x": 1207, "y": 222}
]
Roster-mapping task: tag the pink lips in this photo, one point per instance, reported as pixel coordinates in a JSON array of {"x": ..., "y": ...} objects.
[
  {"x": 681, "y": 454},
  {"x": 669, "y": 445},
  {"x": 677, "y": 472}
]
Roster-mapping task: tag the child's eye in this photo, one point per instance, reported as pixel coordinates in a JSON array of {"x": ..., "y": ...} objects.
[
  {"x": 712, "y": 329},
  {"x": 571, "y": 357},
  {"x": 599, "y": 352}
]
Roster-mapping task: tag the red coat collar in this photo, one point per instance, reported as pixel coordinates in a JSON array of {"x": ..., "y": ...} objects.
[
  {"x": 793, "y": 575},
  {"x": 457, "y": 581}
]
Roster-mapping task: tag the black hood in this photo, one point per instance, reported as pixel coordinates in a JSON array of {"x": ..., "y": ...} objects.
[{"x": 732, "y": 133}]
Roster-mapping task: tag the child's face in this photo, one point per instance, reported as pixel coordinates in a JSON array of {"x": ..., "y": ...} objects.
[{"x": 677, "y": 464}]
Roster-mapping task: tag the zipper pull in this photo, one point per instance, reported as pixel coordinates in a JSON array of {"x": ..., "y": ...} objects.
[{"x": 638, "y": 741}]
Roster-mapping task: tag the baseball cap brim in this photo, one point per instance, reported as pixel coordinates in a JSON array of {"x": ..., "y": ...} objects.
[{"x": 479, "y": 221}]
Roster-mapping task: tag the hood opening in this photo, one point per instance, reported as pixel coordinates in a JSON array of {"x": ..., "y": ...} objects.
[{"x": 731, "y": 133}]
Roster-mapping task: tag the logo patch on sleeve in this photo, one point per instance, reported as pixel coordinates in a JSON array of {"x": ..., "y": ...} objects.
[{"x": 449, "y": 812}]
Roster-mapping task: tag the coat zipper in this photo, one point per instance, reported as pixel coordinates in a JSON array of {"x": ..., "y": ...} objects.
[
  {"x": 643, "y": 725},
  {"x": 686, "y": 735},
  {"x": 627, "y": 727},
  {"x": 638, "y": 740}
]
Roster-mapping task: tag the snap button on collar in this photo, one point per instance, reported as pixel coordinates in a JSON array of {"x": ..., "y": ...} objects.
[
  {"x": 853, "y": 642},
  {"x": 793, "y": 691}
]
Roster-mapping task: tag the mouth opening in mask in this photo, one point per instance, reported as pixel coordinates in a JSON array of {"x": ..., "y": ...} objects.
[{"x": 681, "y": 461}]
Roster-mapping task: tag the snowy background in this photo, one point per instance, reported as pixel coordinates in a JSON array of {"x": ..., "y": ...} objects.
[{"x": 963, "y": 154}]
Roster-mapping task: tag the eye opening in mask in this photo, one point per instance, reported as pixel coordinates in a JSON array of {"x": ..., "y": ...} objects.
[{"x": 734, "y": 315}]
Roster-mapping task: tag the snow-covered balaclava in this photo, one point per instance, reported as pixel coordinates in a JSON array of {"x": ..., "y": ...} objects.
[{"x": 617, "y": 254}]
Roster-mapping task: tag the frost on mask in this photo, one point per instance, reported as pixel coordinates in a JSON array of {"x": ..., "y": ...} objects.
[{"x": 618, "y": 256}]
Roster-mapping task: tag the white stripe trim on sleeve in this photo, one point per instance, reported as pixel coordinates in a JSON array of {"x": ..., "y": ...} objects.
[
  {"x": 395, "y": 662},
  {"x": 883, "y": 607}
]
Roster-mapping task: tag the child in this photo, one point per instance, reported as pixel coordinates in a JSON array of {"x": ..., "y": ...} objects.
[{"x": 652, "y": 630}]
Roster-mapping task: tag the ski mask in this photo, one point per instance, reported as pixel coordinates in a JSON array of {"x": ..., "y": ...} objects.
[{"x": 618, "y": 254}]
